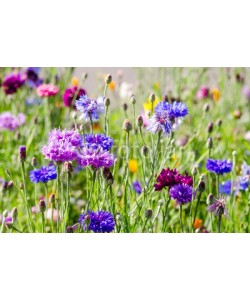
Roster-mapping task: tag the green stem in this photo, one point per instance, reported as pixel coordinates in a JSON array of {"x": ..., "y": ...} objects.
[
  {"x": 43, "y": 222},
  {"x": 219, "y": 223},
  {"x": 196, "y": 208},
  {"x": 180, "y": 211},
  {"x": 91, "y": 189}
]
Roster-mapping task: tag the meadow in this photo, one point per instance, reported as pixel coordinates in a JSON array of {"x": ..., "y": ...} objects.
[{"x": 166, "y": 153}]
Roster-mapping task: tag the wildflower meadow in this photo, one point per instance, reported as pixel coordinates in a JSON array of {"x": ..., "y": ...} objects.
[{"x": 166, "y": 152}]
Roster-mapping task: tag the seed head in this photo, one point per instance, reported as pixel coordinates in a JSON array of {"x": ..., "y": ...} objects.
[{"x": 127, "y": 126}]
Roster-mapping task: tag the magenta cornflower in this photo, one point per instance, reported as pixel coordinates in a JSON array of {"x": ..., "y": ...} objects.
[
  {"x": 71, "y": 93},
  {"x": 95, "y": 158},
  {"x": 12, "y": 82},
  {"x": 202, "y": 93},
  {"x": 47, "y": 90},
  {"x": 62, "y": 145},
  {"x": 11, "y": 122}
]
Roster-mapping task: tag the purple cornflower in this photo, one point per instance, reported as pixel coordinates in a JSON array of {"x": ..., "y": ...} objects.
[
  {"x": 219, "y": 206},
  {"x": 96, "y": 158},
  {"x": 165, "y": 116},
  {"x": 182, "y": 193},
  {"x": 62, "y": 145},
  {"x": 137, "y": 187},
  {"x": 32, "y": 76},
  {"x": 95, "y": 141},
  {"x": 69, "y": 95},
  {"x": 90, "y": 108},
  {"x": 202, "y": 93},
  {"x": 22, "y": 153},
  {"x": 100, "y": 221},
  {"x": 44, "y": 174},
  {"x": 219, "y": 166},
  {"x": 12, "y": 82},
  {"x": 11, "y": 122}
]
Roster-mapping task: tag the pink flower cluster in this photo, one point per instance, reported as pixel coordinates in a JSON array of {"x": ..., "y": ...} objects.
[
  {"x": 47, "y": 90},
  {"x": 11, "y": 122}
]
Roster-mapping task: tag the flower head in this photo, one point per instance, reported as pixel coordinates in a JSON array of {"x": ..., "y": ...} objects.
[
  {"x": 219, "y": 206},
  {"x": 202, "y": 93},
  {"x": 169, "y": 178},
  {"x": 90, "y": 108},
  {"x": 96, "y": 141},
  {"x": 100, "y": 221},
  {"x": 219, "y": 166},
  {"x": 70, "y": 94},
  {"x": 62, "y": 145},
  {"x": 133, "y": 165},
  {"x": 96, "y": 158},
  {"x": 11, "y": 122},
  {"x": 47, "y": 90},
  {"x": 225, "y": 187},
  {"x": 137, "y": 187},
  {"x": 44, "y": 174},
  {"x": 32, "y": 76},
  {"x": 12, "y": 82},
  {"x": 182, "y": 193}
]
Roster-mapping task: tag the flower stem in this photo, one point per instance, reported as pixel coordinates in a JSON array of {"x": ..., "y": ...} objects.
[
  {"x": 43, "y": 223},
  {"x": 196, "y": 208},
  {"x": 181, "y": 218},
  {"x": 219, "y": 223},
  {"x": 91, "y": 189}
]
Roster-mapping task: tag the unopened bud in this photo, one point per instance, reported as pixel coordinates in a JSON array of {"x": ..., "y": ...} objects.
[
  {"x": 34, "y": 162},
  {"x": 14, "y": 213},
  {"x": 201, "y": 186},
  {"x": 165, "y": 98},
  {"x": 133, "y": 100},
  {"x": 139, "y": 121},
  {"x": 237, "y": 114},
  {"x": 144, "y": 150},
  {"x": 42, "y": 206},
  {"x": 69, "y": 229},
  {"x": 210, "y": 199},
  {"x": 194, "y": 171},
  {"x": 127, "y": 126},
  {"x": 68, "y": 167},
  {"x": 10, "y": 184},
  {"x": 160, "y": 202},
  {"x": 206, "y": 107},
  {"x": 52, "y": 198},
  {"x": 148, "y": 213},
  {"x": 210, "y": 127},
  {"x": 5, "y": 213},
  {"x": 108, "y": 176},
  {"x": 219, "y": 122},
  {"x": 209, "y": 143},
  {"x": 22, "y": 153},
  {"x": 125, "y": 106},
  {"x": 21, "y": 186},
  {"x": 152, "y": 97},
  {"x": 107, "y": 102},
  {"x": 108, "y": 79}
]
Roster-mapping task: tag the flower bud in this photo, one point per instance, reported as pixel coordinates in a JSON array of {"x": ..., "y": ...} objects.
[
  {"x": 139, "y": 121},
  {"x": 160, "y": 202},
  {"x": 165, "y": 98},
  {"x": 133, "y": 100},
  {"x": 22, "y": 153},
  {"x": 148, "y": 213},
  {"x": 10, "y": 184},
  {"x": 201, "y": 186},
  {"x": 210, "y": 199},
  {"x": 206, "y": 107},
  {"x": 21, "y": 186},
  {"x": 108, "y": 79},
  {"x": 219, "y": 122},
  {"x": 68, "y": 167},
  {"x": 108, "y": 176},
  {"x": 125, "y": 106},
  {"x": 52, "y": 198},
  {"x": 4, "y": 186},
  {"x": 5, "y": 213},
  {"x": 237, "y": 114},
  {"x": 152, "y": 97},
  {"x": 14, "y": 213},
  {"x": 144, "y": 151},
  {"x": 69, "y": 229},
  {"x": 194, "y": 171},
  {"x": 74, "y": 115},
  {"x": 42, "y": 206},
  {"x": 127, "y": 126},
  {"x": 34, "y": 162},
  {"x": 209, "y": 143},
  {"x": 210, "y": 127},
  {"x": 107, "y": 102}
]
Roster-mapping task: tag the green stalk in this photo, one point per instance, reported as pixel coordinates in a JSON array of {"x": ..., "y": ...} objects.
[
  {"x": 180, "y": 211},
  {"x": 91, "y": 189},
  {"x": 196, "y": 208},
  {"x": 43, "y": 222},
  {"x": 219, "y": 223}
]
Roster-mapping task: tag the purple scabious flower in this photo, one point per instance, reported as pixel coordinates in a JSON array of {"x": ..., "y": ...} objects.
[
  {"x": 182, "y": 193},
  {"x": 90, "y": 108},
  {"x": 225, "y": 187},
  {"x": 32, "y": 77},
  {"x": 96, "y": 158},
  {"x": 95, "y": 141},
  {"x": 44, "y": 174},
  {"x": 219, "y": 206},
  {"x": 11, "y": 122},
  {"x": 12, "y": 82},
  {"x": 70, "y": 93},
  {"x": 137, "y": 187},
  {"x": 99, "y": 222},
  {"x": 62, "y": 145},
  {"x": 219, "y": 166}
]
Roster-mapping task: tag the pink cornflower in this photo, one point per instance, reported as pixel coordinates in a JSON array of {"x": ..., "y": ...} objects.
[{"x": 47, "y": 90}]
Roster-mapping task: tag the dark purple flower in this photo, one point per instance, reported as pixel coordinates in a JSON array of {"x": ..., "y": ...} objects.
[
  {"x": 168, "y": 178},
  {"x": 96, "y": 158},
  {"x": 137, "y": 187},
  {"x": 96, "y": 141},
  {"x": 44, "y": 174},
  {"x": 32, "y": 76},
  {"x": 100, "y": 221},
  {"x": 22, "y": 153},
  {"x": 12, "y": 82},
  {"x": 219, "y": 166},
  {"x": 219, "y": 206},
  {"x": 69, "y": 95},
  {"x": 182, "y": 193}
]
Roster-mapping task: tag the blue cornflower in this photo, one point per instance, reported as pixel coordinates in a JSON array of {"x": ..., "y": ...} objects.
[
  {"x": 182, "y": 193},
  {"x": 32, "y": 75},
  {"x": 243, "y": 182},
  {"x": 225, "y": 187},
  {"x": 100, "y": 221},
  {"x": 137, "y": 187},
  {"x": 33, "y": 101},
  {"x": 165, "y": 116},
  {"x": 96, "y": 141},
  {"x": 90, "y": 108},
  {"x": 219, "y": 166},
  {"x": 245, "y": 169},
  {"x": 44, "y": 174}
]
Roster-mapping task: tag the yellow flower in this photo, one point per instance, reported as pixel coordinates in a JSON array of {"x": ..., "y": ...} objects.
[
  {"x": 197, "y": 223},
  {"x": 156, "y": 86},
  {"x": 74, "y": 81},
  {"x": 216, "y": 95},
  {"x": 111, "y": 86},
  {"x": 148, "y": 105},
  {"x": 133, "y": 165}
]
